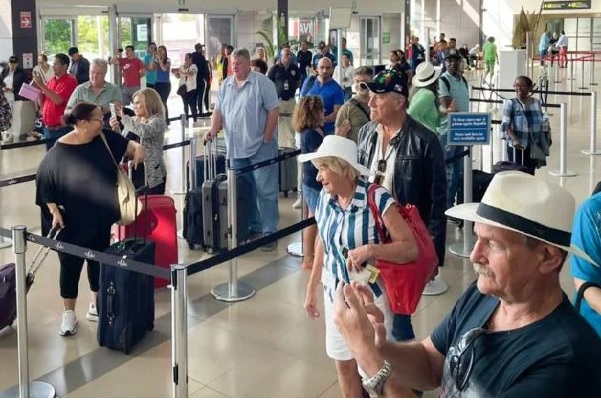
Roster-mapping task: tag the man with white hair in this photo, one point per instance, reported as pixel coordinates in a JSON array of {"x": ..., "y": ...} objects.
[
  {"x": 247, "y": 110},
  {"x": 97, "y": 90},
  {"x": 514, "y": 332}
]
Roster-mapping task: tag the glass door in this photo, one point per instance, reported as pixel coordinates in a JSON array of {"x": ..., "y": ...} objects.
[
  {"x": 58, "y": 34},
  {"x": 135, "y": 31},
  {"x": 370, "y": 41},
  {"x": 219, "y": 29}
]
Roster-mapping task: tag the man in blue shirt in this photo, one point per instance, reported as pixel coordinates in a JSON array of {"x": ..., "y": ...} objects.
[
  {"x": 328, "y": 89},
  {"x": 247, "y": 111},
  {"x": 151, "y": 73},
  {"x": 323, "y": 51}
]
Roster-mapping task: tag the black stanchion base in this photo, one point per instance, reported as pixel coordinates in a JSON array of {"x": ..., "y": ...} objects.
[{"x": 39, "y": 390}]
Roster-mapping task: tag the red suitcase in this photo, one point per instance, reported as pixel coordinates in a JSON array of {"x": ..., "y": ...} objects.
[{"x": 161, "y": 227}]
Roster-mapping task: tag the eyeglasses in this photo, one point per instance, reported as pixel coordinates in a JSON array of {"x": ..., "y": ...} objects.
[
  {"x": 380, "y": 173},
  {"x": 97, "y": 120},
  {"x": 461, "y": 364}
]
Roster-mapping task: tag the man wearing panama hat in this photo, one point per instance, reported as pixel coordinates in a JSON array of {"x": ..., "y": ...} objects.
[{"x": 514, "y": 332}]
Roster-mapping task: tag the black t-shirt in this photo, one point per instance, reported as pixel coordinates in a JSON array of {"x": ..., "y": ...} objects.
[
  {"x": 200, "y": 61},
  {"x": 304, "y": 59},
  {"x": 83, "y": 179},
  {"x": 557, "y": 356},
  {"x": 310, "y": 142},
  {"x": 286, "y": 80}
]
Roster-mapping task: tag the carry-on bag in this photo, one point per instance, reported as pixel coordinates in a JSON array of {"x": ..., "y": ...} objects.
[
  {"x": 126, "y": 298},
  {"x": 215, "y": 206},
  {"x": 8, "y": 284},
  {"x": 288, "y": 172},
  {"x": 512, "y": 165}
]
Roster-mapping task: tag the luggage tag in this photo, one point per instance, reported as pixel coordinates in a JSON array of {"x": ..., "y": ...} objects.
[{"x": 374, "y": 273}]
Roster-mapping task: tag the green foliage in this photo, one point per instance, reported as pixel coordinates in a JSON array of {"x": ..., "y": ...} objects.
[
  {"x": 58, "y": 36},
  {"x": 266, "y": 33}
]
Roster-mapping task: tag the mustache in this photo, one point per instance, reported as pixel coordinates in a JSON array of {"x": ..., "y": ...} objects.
[{"x": 483, "y": 270}]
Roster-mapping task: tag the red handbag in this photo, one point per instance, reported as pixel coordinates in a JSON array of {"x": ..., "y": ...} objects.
[{"x": 405, "y": 282}]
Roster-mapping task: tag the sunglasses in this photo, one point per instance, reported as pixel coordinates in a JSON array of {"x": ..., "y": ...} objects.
[
  {"x": 381, "y": 172},
  {"x": 461, "y": 364}
]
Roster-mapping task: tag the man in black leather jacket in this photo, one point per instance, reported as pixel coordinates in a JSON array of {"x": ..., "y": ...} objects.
[{"x": 415, "y": 171}]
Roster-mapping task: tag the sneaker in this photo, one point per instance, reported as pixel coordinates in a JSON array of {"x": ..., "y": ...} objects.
[
  {"x": 69, "y": 324},
  {"x": 254, "y": 236},
  {"x": 8, "y": 139},
  {"x": 270, "y": 246},
  {"x": 92, "y": 314},
  {"x": 298, "y": 204}
]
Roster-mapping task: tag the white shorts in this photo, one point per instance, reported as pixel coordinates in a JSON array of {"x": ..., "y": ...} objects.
[{"x": 336, "y": 347}]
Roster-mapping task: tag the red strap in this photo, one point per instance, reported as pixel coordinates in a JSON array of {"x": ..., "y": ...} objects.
[{"x": 371, "y": 202}]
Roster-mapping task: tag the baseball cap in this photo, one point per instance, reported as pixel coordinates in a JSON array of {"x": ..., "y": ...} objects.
[
  {"x": 198, "y": 46},
  {"x": 73, "y": 50},
  {"x": 452, "y": 54},
  {"x": 388, "y": 81}
]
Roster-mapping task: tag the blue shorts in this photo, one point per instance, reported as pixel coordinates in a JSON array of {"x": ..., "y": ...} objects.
[{"x": 310, "y": 196}]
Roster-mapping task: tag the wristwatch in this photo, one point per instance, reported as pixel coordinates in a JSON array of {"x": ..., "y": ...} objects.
[{"x": 375, "y": 385}]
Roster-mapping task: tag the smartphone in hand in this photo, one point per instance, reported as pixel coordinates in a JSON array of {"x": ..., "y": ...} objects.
[{"x": 113, "y": 110}]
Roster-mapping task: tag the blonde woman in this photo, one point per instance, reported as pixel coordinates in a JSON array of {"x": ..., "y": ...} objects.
[
  {"x": 148, "y": 127},
  {"x": 347, "y": 241}
]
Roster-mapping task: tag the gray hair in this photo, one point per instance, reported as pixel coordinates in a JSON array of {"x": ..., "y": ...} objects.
[
  {"x": 101, "y": 63},
  {"x": 242, "y": 52}
]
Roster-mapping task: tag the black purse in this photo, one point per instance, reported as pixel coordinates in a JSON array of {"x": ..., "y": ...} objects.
[{"x": 182, "y": 90}]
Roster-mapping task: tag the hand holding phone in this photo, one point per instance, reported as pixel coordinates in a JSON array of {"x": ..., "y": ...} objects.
[{"x": 113, "y": 110}]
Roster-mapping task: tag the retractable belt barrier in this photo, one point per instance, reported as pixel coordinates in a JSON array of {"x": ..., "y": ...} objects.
[
  {"x": 585, "y": 94},
  {"x": 30, "y": 174},
  {"x": 271, "y": 161},
  {"x": 95, "y": 255},
  {"x": 18, "y": 145},
  {"x": 205, "y": 115},
  {"x": 548, "y": 105}
]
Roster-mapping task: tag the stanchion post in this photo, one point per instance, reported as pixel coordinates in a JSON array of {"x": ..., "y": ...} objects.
[
  {"x": 179, "y": 329},
  {"x": 592, "y": 74},
  {"x": 233, "y": 290},
  {"x": 296, "y": 249},
  {"x": 465, "y": 248},
  {"x": 4, "y": 242},
  {"x": 192, "y": 158},
  {"x": 24, "y": 388},
  {"x": 563, "y": 162},
  {"x": 593, "y": 145},
  {"x": 582, "y": 87},
  {"x": 20, "y": 248},
  {"x": 571, "y": 60}
]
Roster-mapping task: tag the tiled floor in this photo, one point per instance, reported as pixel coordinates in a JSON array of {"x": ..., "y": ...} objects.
[{"x": 263, "y": 347}]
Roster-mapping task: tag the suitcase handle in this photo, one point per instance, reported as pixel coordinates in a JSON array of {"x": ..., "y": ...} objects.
[{"x": 39, "y": 258}]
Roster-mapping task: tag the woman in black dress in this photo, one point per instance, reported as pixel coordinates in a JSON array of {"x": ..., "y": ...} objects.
[{"x": 76, "y": 190}]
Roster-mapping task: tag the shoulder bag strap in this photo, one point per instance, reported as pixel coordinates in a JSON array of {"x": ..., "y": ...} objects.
[
  {"x": 371, "y": 202},
  {"x": 108, "y": 149}
]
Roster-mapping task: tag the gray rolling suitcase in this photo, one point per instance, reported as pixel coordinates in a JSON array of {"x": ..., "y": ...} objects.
[
  {"x": 215, "y": 205},
  {"x": 288, "y": 173}
]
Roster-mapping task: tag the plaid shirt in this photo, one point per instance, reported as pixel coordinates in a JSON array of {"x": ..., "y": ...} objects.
[{"x": 524, "y": 120}]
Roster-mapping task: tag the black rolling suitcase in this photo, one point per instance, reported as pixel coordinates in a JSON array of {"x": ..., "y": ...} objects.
[
  {"x": 215, "y": 205},
  {"x": 512, "y": 165},
  {"x": 126, "y": 298},
  {"x": 288, "y": 172}
]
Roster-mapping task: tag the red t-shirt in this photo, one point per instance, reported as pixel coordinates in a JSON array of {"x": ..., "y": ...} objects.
[
  {"x": 131, "y": 71},
  {"x": 52, "y": 114}
]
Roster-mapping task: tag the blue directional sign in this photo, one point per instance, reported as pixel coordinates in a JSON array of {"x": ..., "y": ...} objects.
[{"x": 467, "y": 129}]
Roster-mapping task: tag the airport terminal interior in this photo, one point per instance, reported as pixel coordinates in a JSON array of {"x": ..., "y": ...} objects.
[{"x": 265, "y": 346}]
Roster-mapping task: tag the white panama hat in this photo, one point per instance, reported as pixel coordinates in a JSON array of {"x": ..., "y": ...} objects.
[
  {"x": 522, "y": 203},
  {"x": 425, "y": 74},
  {"x": 339, "y": 147}
]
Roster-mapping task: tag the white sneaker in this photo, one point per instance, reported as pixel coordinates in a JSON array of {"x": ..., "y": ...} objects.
[
  {"x": 298, "y": 203},
  {"x": 92, "y": 314},
  {"x": 69, "y": 324},
  {"x": 8, "y": 139}
]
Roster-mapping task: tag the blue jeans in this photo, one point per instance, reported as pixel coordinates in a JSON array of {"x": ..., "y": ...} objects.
[
  {"x": 52, "y": 135},
  {"x": 264, "y": 214},
  {"x": 454, "y": 172}
]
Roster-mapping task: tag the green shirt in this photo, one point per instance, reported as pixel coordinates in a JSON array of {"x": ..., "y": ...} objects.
[
  {"x": 110, "y": 93},
  {"x": 489, "y": 51},
  {"x": 423, "y": 109}
]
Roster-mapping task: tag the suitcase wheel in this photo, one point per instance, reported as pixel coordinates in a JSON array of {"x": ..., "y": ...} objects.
[
  {"x": 209, "y": 250},
  {"x": 190, "y": 246}
]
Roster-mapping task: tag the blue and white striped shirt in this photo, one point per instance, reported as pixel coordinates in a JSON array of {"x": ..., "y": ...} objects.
[{"x": 348, "y": 228}]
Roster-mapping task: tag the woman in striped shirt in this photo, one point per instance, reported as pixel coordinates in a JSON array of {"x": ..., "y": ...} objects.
[{"x": 348, "y": 242}]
